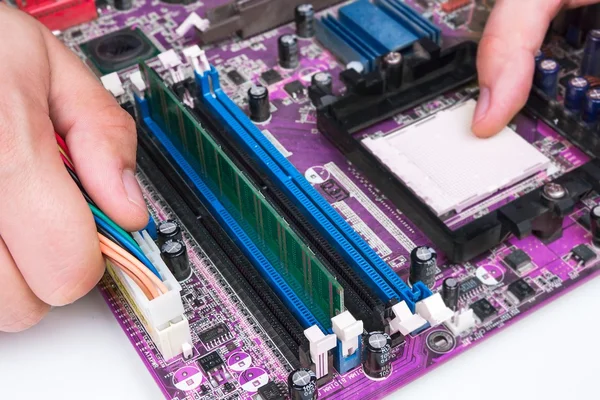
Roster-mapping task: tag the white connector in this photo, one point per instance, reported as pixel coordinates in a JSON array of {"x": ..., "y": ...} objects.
[
  {"x": 348, "y": 331},
  {"x": 192, "y": 20},
  {"x": 163, "y": 317},
  {"x": 405, "y": 321},
  {"x": 113, "y": 84},
  {"x": 434, "y": 310},
  {"x": 197, "y": 57},
  {"x": 320, "y": 344},
  {"x": 461, "y": 322},
  {"x": 138, "y": 81}
]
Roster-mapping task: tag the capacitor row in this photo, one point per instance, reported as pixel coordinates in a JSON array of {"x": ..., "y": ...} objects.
[{"x": 580, "y": 97}]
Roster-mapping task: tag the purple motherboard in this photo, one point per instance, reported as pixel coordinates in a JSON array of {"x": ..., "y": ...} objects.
[{"x": 251, "y": 358}]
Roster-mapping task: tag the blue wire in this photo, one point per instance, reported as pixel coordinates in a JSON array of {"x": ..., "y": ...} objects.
[{"x": 123, "y": 242}]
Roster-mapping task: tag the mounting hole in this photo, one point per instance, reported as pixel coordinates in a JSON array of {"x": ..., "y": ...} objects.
[{"x": 441, "y": 342}]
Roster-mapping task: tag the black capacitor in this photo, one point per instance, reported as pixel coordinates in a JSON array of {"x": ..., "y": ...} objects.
[
  {"x": 595, "y": 225},
  {"x": 590, "y": 65},
  {"x": 377, "y": 355},
  {"x": 289, "y": 56},
  {"x": 549, "y": 226},
  {"x": 302, "y": 384},
  {"x": 393, "y": 64},
  {"x": 304, "y": 16},
  {"x": 123, "y": 4},
  {"x": 450, "y": 293},
  {"x": 259, "y": 104},
  {"x": 168, "y": 230},
  {"x": 324, "y": 81},
  {"x": 423, "y": 266},
  {"x": 174, "y": 254}
]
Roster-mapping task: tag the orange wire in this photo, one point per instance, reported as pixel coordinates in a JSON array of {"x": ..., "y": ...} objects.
[
  {"x": 122, "y": 253},
  {"x": 114, "y": 256},
  {"x": 137, "y": 280}
]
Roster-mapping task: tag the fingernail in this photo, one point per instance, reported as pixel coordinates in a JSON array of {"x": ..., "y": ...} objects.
[
  {"x": 132, "y": 188},
  {"x": 482, "y": 104}
]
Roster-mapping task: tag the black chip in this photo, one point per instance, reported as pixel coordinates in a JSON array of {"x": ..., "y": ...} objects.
[
  {"x": 557, "y": 148},
  {"x": 484, "y": 309},
  {"x": 231, "y": 346},
  {"x": 468, "y": 286},
  {"x": 518, "y": 260},
  {"x": 271, "y": 391},
  {"x": 76, "y": 33},
  {"x": 217, "y": 332},
  {"x": 228, "y": 387},
  {"x": 521, "y": 290},
  {"x": 583, "y": 253},
  {"x": 119, "y": 50},
  {"x": 236, "y": 77},
  {"x": 294, "y": 89},
  {"x": 271, "y": 76},
  {"x": 211, "y": 361}
]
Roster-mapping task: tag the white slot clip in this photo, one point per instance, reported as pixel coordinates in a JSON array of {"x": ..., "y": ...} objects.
[
  {"x": 112, "y": 83},
  {"x": 320, "y": 344},
  {"x": 434, "y": 310},
  {"x": 405, "y": 321},
  {"x": 348, "y": 331},
  {"x": 192, "y": 20}
]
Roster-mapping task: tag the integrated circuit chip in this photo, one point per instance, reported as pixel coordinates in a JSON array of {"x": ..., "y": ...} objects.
[
  {"x": 520, "y": 290},
  {"x": 236, "y": 77},
  {"x": 271, "y": 391},
  {"x": 467, "y": 286},
  {"x": 448, "y": 167},
  {"x": 271, "y": 77},
  {"x": 216, "y": 335},
  {"x": 294, "y": 89},
  {"x": 519, "y": 261},
  {"x": 484, "y": 310},
  {"x": 211, "y": 361},
  {"x": 583, "y": 253}
]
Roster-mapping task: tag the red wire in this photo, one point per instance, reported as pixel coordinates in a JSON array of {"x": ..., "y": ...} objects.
[
  {"x": 66, "y": 161},
  {"x": 61, "y": 142}
]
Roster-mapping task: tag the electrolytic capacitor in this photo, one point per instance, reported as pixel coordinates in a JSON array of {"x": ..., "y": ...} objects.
[
  {"x": 393, "y": 64},
  {"x": 591, "y": 109},
  {"x": 168, "y": 230},
  {"x": 595, "y": 225},
  {"x": 304, "y": 16},
  {"x": 423, "y": 266},
  {"x": 289, "y": 56},
  {"x": 324, "y": 81},
  {"x": 123, "y": 5},
  {"x": 450, "y": 293},
  {"x": 577, "y": 88},
  {"x": 259, "y": 104},
  {"x": 546, "y": 77},
  {"x": 174, "y": 254},
  {"x": 590, "y": 65},
  {"x": 377, "y": 355},
  {"x": 302, "y": 384}
]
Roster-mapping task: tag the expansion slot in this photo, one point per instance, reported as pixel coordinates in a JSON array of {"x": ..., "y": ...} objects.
[
  {"x": 359, "y": 299},
  {"x": 381, "y": 278},
  {"x": 257, "y": 296},
  {"x": 214, "y": 161}
]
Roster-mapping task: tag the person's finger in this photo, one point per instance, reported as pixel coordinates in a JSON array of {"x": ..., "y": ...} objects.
[
  {"x": 19, "y": 307},
  {"x": 46, "y": 223},
  {"x": 505, "y": 62},
  {"x": 100, "y": 134}
]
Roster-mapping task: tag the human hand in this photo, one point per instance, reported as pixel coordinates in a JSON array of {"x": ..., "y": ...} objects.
[
  {"x": 514, "y": 33},
  {"x": 49, "y": 251}
]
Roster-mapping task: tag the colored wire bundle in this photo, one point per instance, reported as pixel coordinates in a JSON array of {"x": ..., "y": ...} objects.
[{"x": 116, "y": 244}]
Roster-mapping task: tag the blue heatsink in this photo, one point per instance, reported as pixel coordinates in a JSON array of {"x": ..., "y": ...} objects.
[{"x": 365, "y": 31}]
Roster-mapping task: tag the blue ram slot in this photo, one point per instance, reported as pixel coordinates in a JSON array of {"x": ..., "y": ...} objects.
[
  {"x": 411, "y": 19},
  {"x": 273, "y": 278},
  {"x": 350, "y": 245}
]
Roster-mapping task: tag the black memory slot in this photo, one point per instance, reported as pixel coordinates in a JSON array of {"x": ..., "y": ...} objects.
[
  {"x": 258, "y": 297},
  {"x": 358, "y": 297}
]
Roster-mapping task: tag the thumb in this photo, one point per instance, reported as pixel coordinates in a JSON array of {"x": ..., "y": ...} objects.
[
  {"x": 101, "y": 137},
  {"x": 505, "y": 61}
]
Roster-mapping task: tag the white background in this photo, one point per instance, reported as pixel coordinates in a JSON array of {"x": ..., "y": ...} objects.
[{"x": 80, "y": 352}]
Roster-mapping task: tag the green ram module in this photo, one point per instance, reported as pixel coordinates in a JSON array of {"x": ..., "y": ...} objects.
[{"x": 280, "y": 244}]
